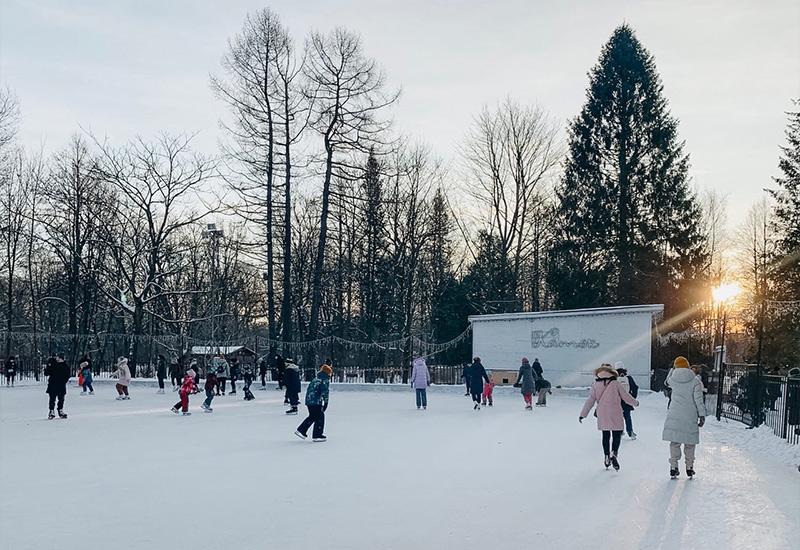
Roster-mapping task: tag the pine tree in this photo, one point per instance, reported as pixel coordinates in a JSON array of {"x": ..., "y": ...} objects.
[{"x": 628, "y": 225}]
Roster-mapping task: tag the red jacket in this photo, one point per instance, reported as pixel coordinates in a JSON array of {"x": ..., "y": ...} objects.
[{"x": 188, "y": 385}]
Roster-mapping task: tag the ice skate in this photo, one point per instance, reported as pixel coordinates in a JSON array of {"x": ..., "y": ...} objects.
[
  {"x": 62, "y": 414},
  {"x": 186, "y": 413},
  {"x": 208, "y": 410},
  {"x": 528, "y": 408},
  {"x": 160, "y": 391},
  {"x": 293, "y": 410},
  {"x": 320, "y": 439},
  {"x": 674, "y": 473},
  {"x": 174, "y": 409},
  {"x": 91, "y": 392},
  {"x": 615, "y": 462},
  {"x": 299, "y": 434},
  {"x": 632, "y": 435},
  {"x": 690, "y": 473},
  {"x": 607, "y": 461},
  {"x": 51, "y": 415},
  {"x": 119, "y": 398},
  {"x": 126, "y": 398},
  {"x": 83, "y": 393},
  {"x": 174, "y": 388},
  {"x": 233, "y": 393}
]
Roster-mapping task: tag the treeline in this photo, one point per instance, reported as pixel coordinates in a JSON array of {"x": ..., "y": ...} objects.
[{"x": 316, "y": 218}]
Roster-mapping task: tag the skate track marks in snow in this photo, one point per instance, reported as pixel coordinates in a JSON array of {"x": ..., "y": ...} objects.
[{"x": 131, "y": 475}]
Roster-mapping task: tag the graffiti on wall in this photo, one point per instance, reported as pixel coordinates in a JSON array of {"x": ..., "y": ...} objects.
[{"x": 552, "y": 339}]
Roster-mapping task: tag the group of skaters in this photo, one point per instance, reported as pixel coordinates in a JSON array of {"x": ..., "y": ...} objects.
[{"x": 613, "y": 394}]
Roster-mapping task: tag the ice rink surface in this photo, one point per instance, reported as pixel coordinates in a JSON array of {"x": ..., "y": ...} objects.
[{"x": 123, "y": 475}]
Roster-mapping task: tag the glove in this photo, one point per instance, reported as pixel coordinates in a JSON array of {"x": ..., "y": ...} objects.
[{"x": 580, "y": 419}]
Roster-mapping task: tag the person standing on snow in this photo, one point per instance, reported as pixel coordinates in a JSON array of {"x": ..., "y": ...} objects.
[
  {"x": 57, "y": 373},
  {"x": 420, "y": 380},
  {"x": 685, "y": 416},
  {"x": 291, "y": 380},
  {"x": 608, "y": 394},
  {"x": 632, "y": 388},
  {"x": 317, "y": 398},
  {"x": 476, "y": 375},
  {"x": 123, "y": 373},
  {"x": 526, "y": 381}
]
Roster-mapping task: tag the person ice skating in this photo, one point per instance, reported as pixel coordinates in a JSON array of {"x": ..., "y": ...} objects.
[
  {"x": 11, "y": 370},
  {"x": 526, "y": 381},
  {"x": 161, "y": 371},
  {"x": 630, "y": 385},
  {"x": 262, "y": 372},
  {"x": 465, "y": 376},
  {"x": 476, "y": 375},
  {"x": 280, "y": 367},
  {"x": 248, "y": 375},
  {"x": 234, "y": 370},
  {"x": 188, "y": 386},
  {"x": 123, "y": 374},
  {"x": 538, "y": 372},
  {"x": 685, "y": 416},
  {"x": 194, "y": 366},
  {"x": 317, "y": 399},
  {"x": 608, "y": 394},
  {"x": 86, "y": 374},
  {"x": 291, "y": 380},
  {"x": 420, "y": 380},
  {"x": 488, "y": 390},
  {"x": 175, "y": 374},
  {"x": 223, "y": 370},
  {"x": 210, "y": 388},
  {"x": 542, "y": 389},
  {"x": 57, "y": 373}
]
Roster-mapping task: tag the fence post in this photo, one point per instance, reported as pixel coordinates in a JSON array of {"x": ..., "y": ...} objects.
[{"x": 720, "y": 383}]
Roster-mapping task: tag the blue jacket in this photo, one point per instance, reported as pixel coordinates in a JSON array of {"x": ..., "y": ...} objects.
[{"x": 317, "y": 392}]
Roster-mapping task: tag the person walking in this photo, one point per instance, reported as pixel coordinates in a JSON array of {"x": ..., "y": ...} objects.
[
  {"x": 291, "y": 380},
  {"x": 686, "y": 414},
  {"x": 476, "y": 375},
  {"x": 11, "y": 370},
  {"x": 175, "y": 374},
  {"x": 526, "y": 382},
  {"x": 86, "y": 374},
  {"x": 632, "y": 388},
  {"x": 161, "y": 371},
  {"x": 317, "y": 399},
  {"x": 608, "y": 394},
  {"x": 188, "y": 386},
  {"x": 123, "y": 374},
  {"x": 420, "y": 380},
  {"x": 210, "y": 387},
  {"x": 57, "y": 373}
]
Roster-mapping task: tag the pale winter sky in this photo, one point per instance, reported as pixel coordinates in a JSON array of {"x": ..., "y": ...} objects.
[{"x": 123, "y": 68}]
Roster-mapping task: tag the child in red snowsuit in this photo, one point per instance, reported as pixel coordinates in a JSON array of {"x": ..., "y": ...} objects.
[
  {"x": 486, "y": 396},
  {"x": 187, "y": 387}
]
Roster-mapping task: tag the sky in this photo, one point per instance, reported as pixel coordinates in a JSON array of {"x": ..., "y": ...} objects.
[{"x": 140, "y": 67}]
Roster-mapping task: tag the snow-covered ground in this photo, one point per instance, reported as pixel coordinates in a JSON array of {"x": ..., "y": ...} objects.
[{"x": 131, "y": 475}]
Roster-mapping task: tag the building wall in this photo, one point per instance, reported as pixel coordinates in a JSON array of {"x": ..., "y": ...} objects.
[{"x": 569, "y": 347}]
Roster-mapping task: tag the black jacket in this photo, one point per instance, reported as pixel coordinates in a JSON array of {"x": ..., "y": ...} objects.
[
  {"x": 235, "y": 370},
  {"x": 58, "y": 376},
  {"x": 291, "y": 379},
  {"x": 537, "y": 368},
  {"x": 476, "y": 374},
  {"x": 161, "y": 367}
]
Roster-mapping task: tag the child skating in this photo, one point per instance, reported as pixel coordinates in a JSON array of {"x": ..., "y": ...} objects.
[
  {"x": 685, "y": 416},
  {"x": 420, "y": 380},
  {"x": 317, "y": 396},
  {"x": 488, "y": 391},
  {"x": 187, "y": 387},
  {"x": 210, "y": 387},
  {"x": 86, "y": 376},
  {"x": 608, "y": 394},
  {"x": 123, "y": 374}
]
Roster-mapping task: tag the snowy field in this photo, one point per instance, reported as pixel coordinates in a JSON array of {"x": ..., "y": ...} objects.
[{"x": 127, "y": 475}]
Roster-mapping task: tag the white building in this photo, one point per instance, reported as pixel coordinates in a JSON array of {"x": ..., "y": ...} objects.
[{"x": 569, "y": 344}]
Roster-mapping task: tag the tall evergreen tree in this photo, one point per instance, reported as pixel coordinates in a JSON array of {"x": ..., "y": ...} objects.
[{"x": 628, "y": 225}]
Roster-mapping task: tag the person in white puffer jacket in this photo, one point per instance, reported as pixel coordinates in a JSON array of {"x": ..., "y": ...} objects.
[{"x": 685, "y": 416}]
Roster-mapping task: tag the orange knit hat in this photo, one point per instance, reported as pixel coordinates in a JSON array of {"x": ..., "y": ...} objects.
[
  {"x": 681, "y": 362},
  {"x": 326, "y": 369}
]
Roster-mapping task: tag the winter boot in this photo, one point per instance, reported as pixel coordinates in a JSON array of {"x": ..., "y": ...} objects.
[
  {"x": 51, "y": 415},
  {"x": 615, "y": 462},
  {"x": 690, "y": 472},
  {"x": 61, "y": 414},
  {"x": 674, "y": 473},
  {"x": 607, "y": 461}
]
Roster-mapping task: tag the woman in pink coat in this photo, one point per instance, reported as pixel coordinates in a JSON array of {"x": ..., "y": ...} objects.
[{"x": 608, "y": 393}]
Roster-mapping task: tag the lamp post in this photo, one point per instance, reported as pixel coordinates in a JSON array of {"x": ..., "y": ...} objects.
[
  {"x": 722, "y": 295},
  {"x": 213, "y": 235}
]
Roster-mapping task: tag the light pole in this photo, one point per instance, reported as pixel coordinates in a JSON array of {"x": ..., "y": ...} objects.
[
  {"x": 722, "y": 295},
  {"x": 213, "y": 235}
]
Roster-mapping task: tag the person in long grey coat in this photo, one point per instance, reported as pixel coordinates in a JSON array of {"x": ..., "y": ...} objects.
[
  {"x": 526, "y": 381},
  {"x": 685, "y": 416}
]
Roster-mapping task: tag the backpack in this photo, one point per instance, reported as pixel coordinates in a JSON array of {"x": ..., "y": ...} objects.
[{"x": 634, "y": 388}]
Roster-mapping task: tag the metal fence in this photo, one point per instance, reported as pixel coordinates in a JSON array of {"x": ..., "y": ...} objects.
[{"x": 746, "y": 397}]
